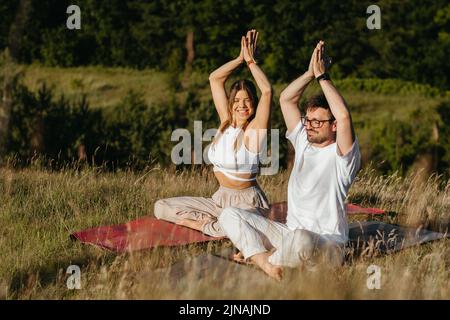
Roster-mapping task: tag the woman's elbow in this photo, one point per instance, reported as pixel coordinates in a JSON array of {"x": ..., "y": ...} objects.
[
  {"x": 212, "y": 76},
  {"x": 267, "y": 91}
]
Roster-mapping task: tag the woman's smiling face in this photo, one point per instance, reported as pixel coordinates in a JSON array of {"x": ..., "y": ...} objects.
[{"x": 242, "y": 106}]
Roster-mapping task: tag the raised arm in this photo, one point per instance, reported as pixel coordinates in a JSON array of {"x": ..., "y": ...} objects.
[
  {"x": 262, "y": 116},
  {"x": 217, "y": 81},
  {"x": 290, "y": 97},
  {"x": 345, "y": 135}
]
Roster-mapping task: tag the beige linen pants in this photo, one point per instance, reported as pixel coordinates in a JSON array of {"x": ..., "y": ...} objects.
[{"x": 197, "y": 208}]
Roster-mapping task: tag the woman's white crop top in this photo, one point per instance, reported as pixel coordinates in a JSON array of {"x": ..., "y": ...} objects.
[{"x": 226, "y": 160}]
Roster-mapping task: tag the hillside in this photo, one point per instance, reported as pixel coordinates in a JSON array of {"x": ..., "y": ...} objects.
[{"x": 388, "y": 114}]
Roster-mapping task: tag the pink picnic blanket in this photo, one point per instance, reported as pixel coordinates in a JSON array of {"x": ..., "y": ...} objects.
[{"x": 148, "y": 232}]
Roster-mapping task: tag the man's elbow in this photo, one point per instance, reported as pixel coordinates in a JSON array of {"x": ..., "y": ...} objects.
[
  {"x": 343, "y": 117},
  {"x": 284, "y": 99}
]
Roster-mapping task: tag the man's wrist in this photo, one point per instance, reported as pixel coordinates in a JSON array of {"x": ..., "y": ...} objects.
[{"x": 323, "y": 76}]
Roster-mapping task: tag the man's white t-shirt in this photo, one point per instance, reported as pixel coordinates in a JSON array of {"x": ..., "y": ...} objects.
[{"x": 318, "y": 186}]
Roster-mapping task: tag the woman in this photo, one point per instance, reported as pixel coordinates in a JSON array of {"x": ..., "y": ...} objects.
[{"x": 235, "y": 149}]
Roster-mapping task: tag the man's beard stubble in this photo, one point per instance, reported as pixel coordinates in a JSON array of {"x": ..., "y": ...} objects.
[{"x": 316, "y": 138}]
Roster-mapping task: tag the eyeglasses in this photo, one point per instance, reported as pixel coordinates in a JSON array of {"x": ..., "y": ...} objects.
[{"x": 314, "y": 123}]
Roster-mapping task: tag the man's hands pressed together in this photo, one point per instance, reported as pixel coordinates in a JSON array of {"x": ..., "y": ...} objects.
[{"x": 320, "y": 61}]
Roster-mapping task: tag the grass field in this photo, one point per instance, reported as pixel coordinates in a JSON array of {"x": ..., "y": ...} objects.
[
  {"x": 104, "y": 87},
  {"x": 39, "y": 209}
]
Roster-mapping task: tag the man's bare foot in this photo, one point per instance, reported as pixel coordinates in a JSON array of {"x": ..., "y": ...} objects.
[{"x": 262, "y": 261}]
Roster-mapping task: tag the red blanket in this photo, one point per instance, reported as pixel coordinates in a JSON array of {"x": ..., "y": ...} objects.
[{"x": 148, "y": 232}]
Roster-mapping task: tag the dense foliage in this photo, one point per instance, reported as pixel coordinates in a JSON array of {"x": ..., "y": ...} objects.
[
  {"x": 407, "y": 56},
  {"x": 412, "y": 44}
]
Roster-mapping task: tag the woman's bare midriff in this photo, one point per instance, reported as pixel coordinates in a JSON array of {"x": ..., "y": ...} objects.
[{"x": 234, "y": 184}]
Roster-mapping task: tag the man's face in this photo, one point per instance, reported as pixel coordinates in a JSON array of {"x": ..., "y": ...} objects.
[{"x": 326, "y": 131}]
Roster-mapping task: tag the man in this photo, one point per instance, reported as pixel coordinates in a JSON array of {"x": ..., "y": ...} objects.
[{"x": 327, "y": 159}]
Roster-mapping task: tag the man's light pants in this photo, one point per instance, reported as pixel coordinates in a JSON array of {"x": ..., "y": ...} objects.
[{"x": 252, "y": 234}]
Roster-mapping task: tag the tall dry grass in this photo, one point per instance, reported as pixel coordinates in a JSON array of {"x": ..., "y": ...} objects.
[{"x": 39, "y": 209}]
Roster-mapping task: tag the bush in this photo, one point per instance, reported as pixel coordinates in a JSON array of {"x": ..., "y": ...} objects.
[
  {"x": 40, "y": 124},
  {"x": 397, "y": 144},
  {"x": 137, "y": 134}
]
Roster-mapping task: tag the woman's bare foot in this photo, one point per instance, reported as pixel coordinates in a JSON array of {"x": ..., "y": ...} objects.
[{"x": 262, "y": 261}]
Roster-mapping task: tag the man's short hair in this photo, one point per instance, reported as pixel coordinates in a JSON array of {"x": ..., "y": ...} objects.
[{"x": 318, "y": 101}]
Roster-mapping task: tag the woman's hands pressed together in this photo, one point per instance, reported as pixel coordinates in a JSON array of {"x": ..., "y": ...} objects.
[{"x": 248, "y": 46}]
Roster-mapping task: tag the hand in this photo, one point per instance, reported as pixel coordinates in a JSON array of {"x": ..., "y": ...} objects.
[
  {"x": 310, "y": 71},
  {"x": 248, "y": 45},
  {"x": 321, "y": 62},
  {"x": 239, "y": 258},
  {"x": 240, "y": 58}
]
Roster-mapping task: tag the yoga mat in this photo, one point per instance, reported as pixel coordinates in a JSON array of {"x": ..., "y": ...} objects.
[
  {"x": 143, "y": 233},
  {"x": 388, "y": 238},
  {"x": 148, "y": 232}
]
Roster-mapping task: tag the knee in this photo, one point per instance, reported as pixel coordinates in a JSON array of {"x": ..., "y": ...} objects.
[
  {"x": 231, "y": 216},
  {"x": 160, "y": 208},
  {"x": 227, "y": 214}
]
